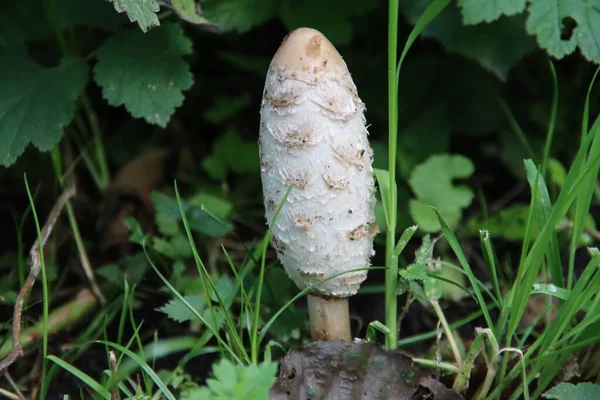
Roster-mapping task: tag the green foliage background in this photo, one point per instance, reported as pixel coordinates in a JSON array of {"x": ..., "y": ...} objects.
[
  {"x": 190, "y": 75},
  {"x": 87, "y": 86}
]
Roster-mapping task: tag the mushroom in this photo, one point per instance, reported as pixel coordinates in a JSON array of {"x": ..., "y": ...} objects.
[{"x": 313, "y": 136}]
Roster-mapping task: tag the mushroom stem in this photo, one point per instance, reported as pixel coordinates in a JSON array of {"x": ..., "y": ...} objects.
[{"x": 329, "y": 318}]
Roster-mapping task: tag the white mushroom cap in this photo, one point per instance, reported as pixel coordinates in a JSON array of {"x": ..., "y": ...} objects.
[{"x": 313, "y": 136}]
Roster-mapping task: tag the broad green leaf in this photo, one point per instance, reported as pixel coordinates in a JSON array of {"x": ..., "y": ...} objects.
[
  {"x": 497, "y": 46},
  {"x": 137, "y": 234},
  {"x": 141, "y": 11},
  {"x": 509, "y": 223},
  {"x": 199, "y": 219},
  {"x": 414, "y": 272},
  {"x": 241, "y": 382},
  {"x": 239, "y": 155},
  {"x": 166, "y": 224},
  {"x": 213, "y": 203},
  {"x": 563, "y": 25},
  {"x": 176, "y": 247},
  {"x": 188, "y": 11},
  {"x": 477, "y": 11},
  {"x": 214, "y": 167},
  {"x": 568, "y": 391},
  {"x": 432, "y": 183},
  {"x": 178, "y": 311},
  {"x": 145, "y": 72},
  {"x": 35, "y": 103},
  {"x": 239, "y": 15}
]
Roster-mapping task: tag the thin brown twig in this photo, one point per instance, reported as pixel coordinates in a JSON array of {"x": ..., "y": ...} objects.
[{"x": 36, "y": 266}]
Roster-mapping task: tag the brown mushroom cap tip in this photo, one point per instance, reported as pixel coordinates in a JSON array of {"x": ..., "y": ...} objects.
[{"x": 306, "y": 49}]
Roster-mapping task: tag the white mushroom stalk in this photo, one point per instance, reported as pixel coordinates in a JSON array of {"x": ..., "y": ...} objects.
[{"x": 313, "y": 136}]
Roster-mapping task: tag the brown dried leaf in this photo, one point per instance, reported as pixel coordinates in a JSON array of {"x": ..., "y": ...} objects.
[{"x": 362, "y": 370}]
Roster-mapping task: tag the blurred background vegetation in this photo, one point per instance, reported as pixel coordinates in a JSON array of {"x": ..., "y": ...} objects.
[{"x": 123, "y": 109}]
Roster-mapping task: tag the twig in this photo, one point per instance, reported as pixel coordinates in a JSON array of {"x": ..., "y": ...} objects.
[
  {"x": 17, "y": 350},
  {"x": 9, "y": 395}
]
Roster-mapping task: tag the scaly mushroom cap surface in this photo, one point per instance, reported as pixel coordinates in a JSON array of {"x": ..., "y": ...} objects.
[{"x": 313, "y": 136}]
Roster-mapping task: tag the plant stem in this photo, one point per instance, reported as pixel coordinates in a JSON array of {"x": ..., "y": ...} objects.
[
  {"x": 329, "y": 318},
  {"x": 391, "y": 271},
  {"x": 449, "y": 335}
]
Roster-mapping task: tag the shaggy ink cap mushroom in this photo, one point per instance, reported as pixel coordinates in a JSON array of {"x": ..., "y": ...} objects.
[{"x": 313, "y": 136}]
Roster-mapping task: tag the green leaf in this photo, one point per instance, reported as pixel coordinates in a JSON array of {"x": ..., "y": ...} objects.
[
  {"x": 167, "y": 225},
  {"x": 509, "y": 223},
  {"x": 198, "y": 219},
  {"x": 432, "y": 183},
  {"x": 477, "y": 11},
  {"x": 568, "y": 391},
  {"x": 142, "y": 11},
  {"x": 251, "y": 382},
  {"x": 414, "y": 272},
  {"x": 215, "y": 168},
  {"x": 497, "y": 46},
  {"x": 35, "y": 102},
  {"x": 239, "y": 15},
  {"x": 178, "y": 311},
  {"x": 238, "y": 155},
  {"x": 137, "y": 234},
  {"x": 550, "y": 22},
  {"x": 187, "y": 10},
  {"x": 145, "y": 72},
  {"x": 213, "y": 203},
  {"x": 177, "y": 247}
]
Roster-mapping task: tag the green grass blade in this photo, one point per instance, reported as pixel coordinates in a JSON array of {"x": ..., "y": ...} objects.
[
  {"x": 453, "y": 241},
  {"x": 404, "y": 239},
  {"x": 254, "y": 340},
  {"x": 529, "y": 269},
  {"x": 205, "y": 278},
  {"x": 543, "y": 208},
  {"x": 430, "y": 13},
  {"x": 552, "y": 124},
  {"x": 516, "y": 127},
  {"x": 489, "y": 258},
  {"x": 213, "y": 329},
  {"x": 82, "y": 376},
  {"x": 383, "y": 181},
  {"x": 145, "y": 367},
  {"x": 584, "y": 199}
]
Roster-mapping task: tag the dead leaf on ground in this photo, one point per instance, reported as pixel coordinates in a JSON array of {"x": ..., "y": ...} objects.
[
  {"x": 362, "y": 370},
  {"x": 129, "y": 195}
]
